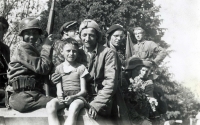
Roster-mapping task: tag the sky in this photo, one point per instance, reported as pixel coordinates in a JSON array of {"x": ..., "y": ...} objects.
[{"x": 182, "y": 20}]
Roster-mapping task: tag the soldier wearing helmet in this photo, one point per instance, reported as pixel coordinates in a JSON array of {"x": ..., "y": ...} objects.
[
  {"x": 4, "y": 59},
  {"x": 28, "y": 67}
]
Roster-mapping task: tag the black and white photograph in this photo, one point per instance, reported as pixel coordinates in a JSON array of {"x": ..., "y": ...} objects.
[{"x": 99, "y": 62}]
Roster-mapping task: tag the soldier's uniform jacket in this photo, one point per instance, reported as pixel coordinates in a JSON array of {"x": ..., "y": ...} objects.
[
  {"x": 4, "y": 60},
  {"x": 28, "y": 65},
  {"x": 102, "y": 81},
  {"x": 149, "y": 50}
]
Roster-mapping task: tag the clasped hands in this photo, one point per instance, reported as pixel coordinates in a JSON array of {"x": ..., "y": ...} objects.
[{"x": 67, "y": 100}]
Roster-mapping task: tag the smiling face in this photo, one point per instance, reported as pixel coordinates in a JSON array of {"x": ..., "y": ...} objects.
[
  {"x": 70, "y": 52},
  {"x": 139, "y": 35},
  {"x": 89, "y": 38},
  {"x": 117, "y": 38},
  {"x": 31, "y": 36}
]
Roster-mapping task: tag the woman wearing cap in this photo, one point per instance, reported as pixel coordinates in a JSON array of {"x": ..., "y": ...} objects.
[
  {"x": 115, "y": 38},
  {"x": 140, "y": 95}
]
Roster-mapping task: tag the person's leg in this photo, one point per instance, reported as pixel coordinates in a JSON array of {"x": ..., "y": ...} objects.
[
  {"x": 52, "y": 107},
  {"x": 21, "y": 101},
  {"x": 74, "y": 109}
]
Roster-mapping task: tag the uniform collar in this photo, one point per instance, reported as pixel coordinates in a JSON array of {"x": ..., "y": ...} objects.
[{"x": 141, "y": 42}]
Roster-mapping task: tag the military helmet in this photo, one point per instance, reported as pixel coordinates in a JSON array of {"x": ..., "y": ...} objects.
[{"x": 29, "y": 23}]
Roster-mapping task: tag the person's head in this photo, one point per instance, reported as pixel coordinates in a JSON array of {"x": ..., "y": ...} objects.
[
  {"x": 139, "y": 34},
  {"x": 69, "y": 30},
  {"x": 29, "y": 30},
  {"x": 3, "y": 27},
  {"x": 138, "y": 67},
  {"x": 115, "y": 35},
  {"x": 69, "y": 49},
  {"x": 90, "y": 33}
]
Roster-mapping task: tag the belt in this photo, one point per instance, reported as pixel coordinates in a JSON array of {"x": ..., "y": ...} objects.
[{"x": 23, "y": 83}]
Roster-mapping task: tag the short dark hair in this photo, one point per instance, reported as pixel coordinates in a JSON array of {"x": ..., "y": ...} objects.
[{"x": 4, "y": 22}]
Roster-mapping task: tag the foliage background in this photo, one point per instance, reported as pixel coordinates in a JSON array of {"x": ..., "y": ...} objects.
[{"x": 128, "y": 13}]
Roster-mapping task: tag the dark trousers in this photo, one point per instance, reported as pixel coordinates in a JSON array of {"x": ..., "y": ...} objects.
[{"x": 28, "y": 100}]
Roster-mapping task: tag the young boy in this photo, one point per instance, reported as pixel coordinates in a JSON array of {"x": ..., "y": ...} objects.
[
  {"x": 28, "y": 67},
  {"x": 67, "y": 30},
  {"x": 4, "y": 59}
]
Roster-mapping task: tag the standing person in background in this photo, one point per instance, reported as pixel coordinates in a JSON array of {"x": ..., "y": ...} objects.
[
  {"x": 4, "y": 59},
  {"x": 147, "y": 50},
  {"x": 102, "y": 67},
  {"x": 115, "y": 38},
  {"x": 70, "y": 30},
  {"x": 28, "y": 67}
]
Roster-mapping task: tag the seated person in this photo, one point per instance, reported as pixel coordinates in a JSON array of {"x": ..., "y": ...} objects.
[
  {"x": 28, "y": 68},
  {"x": 72, "y": 86},
  {"x": 140, "y": 91}
]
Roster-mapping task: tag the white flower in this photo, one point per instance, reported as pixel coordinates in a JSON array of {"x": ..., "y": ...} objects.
[{"x": 153, "y": 102}]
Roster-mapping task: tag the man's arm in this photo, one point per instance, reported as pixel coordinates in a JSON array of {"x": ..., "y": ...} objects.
[
  {"x": 29, "y": 58},
  {"x": 159, "y": 51},
  {"x": 110, "y": 82}
]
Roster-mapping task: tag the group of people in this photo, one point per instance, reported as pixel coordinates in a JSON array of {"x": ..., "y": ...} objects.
[{"x": 85, "y": 73}]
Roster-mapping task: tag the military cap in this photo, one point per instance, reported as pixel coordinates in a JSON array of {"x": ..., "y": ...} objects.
[{"x": 67, "y": 26}]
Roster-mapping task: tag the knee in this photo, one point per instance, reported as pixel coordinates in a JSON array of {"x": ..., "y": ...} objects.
[
  {"x": 51, "y": 106},
  {"x": 75, "y": 106}
]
